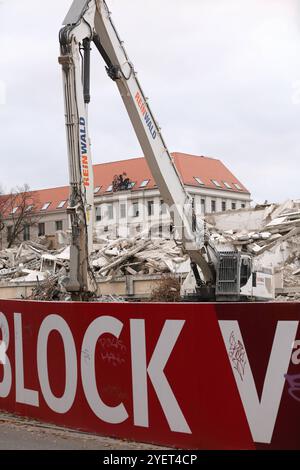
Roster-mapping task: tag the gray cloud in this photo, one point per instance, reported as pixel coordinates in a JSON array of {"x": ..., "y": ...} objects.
[{"x": 220, "y": 75}]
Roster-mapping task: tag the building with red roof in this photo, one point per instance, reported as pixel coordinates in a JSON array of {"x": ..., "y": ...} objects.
[{"x": 211, "y": 184}]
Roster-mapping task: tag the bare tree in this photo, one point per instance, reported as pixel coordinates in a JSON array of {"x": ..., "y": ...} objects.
[
  {"x": 19, "y": 210},
  {"x": 2, "y": 208}
]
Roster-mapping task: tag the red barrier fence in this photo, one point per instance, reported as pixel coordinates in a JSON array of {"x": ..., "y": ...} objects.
[{"x": 205, "y": 376}]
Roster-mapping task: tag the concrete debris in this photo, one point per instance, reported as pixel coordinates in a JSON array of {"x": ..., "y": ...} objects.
[
  {"x": 34, "y": 263},
  {"x": 30, "y": 262},
  {"x": 30, "y": 276},
  {"x": 288, "y": 298},
  {"x": 270, "y": 233},
  {"x": 54, "y": 288},
  {"x": 138, "y": 255},
  {"x": 51, "y": 289},
  {"x": 272, "y": 238},
  {"x": 110, "y": 298}
]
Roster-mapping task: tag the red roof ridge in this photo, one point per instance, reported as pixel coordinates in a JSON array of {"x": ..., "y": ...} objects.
[
  {"x": 142, "y": 158},
  {"x": 118, "y": 161},
  {"x": 48, "y": 189},
  {"x": 193, "y": 155}
]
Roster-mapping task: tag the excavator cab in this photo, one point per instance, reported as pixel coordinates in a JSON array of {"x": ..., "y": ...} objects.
[{"x": 233, "y": 272}]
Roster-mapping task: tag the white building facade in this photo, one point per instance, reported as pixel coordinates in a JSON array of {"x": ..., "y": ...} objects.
[
  {"x": 127, "y": 212},
  {"x": 139, "y": 207}
]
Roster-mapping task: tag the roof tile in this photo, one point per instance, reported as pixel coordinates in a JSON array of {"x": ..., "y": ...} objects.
[{"x": 189, "y": 166}]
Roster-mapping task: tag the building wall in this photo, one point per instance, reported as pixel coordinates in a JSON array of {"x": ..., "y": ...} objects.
[
  {"x": 48, "y": 219},
  {"x": 113, "y": 223}
]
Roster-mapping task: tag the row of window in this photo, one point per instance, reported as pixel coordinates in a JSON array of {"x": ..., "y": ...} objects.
[
  {"x": 224, "y": 205},
  {"x": 42, "y": 227},
  {"x": 26, "y": 230},
  {"x": 43, "y": 208},
  {"x": 135, "y": 210},
  {"x": 218, "y": 185},
  {"x": 145, "y": 183},
  {"x": 213, "y": 205},
  {"x": 59, "y": 206},
  {"x": 109, "y": 189}
]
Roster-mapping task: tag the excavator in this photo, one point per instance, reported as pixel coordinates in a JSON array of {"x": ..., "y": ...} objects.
[{"x": 215, "y": 275}]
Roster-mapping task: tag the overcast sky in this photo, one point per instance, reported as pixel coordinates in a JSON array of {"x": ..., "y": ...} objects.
[{"x": 222, "y": 76}]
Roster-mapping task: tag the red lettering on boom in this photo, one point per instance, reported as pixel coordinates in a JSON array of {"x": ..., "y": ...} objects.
[{"x": 85, "y": 170}]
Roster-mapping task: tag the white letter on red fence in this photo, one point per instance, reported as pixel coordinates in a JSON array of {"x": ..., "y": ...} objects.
[
  {"x": 97, "y": 328},
  {"x": 5, "y": 385},
  {"x": 23, "y": 395},
  {"x": 261, "y": 413},
  {"x": 296, "y": 354},
  {"x": 57, "y": 323},
  {"x": 155, "y": 370}
]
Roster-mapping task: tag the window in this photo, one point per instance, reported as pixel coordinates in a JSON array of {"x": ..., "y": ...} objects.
[
  {"x": 122, "y": 211},
  {"x": 150, "y": 208},
  {"x": 110, "y": 211},
  {"x": 61, "y": 204},
  {"x": 202, "y": 206},
  {"x": 144, "y": 183},
  {"x": 41, "y": 229},
  {"x": 227, "y": 185},
  {"x": 98, "y": 213},
  {"x": 135, "y": 209},
  {"x": 243, "y": 206},
  {"x": 109, "y": 189},
  {"x": 245, "y": 271},
  {"x": 9, "y": 233},
  {"x": 97, "y": 189},
  {"x": 223, "y": 206},
  {"x": 233, "y": 206},
  {"x": 58, "y": 225},
  {"x": 45, "y": 206},
  {"x": 26, "y": 233},
  {"x": 199, "y": 180},
  {"x": 213, "y": 206},
  {"x": 131, "y": 185},
  {"x": 14, "y": 210},
  {"x": 106, "y": 228},
  {"x": 29, "y": 208},
  {"x": 163, "y": 207},
  {"x": 238, "y": 186},
  {"x": 216, "y": 183}
]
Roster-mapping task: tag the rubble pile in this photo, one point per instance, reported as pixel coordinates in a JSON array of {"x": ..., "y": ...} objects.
[
  {"x": 122, "y": 256},
  {"x": 276, "y": 244},
  {"x": 138, "y": 255},
  {"x": 273, "y": 239},
  {"x": 51, "y": 288},
  {"x": 54, "y": 288},
  {"x": 29, "y": 262},
  {"x": 34, "y": 262},
  {"x": 291, "y": 275}
]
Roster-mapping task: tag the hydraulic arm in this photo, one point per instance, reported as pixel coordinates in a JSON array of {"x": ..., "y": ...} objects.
[{"x": 89, "y": 21}]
